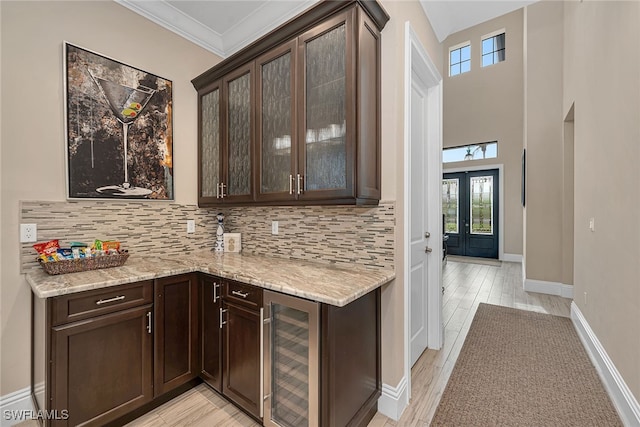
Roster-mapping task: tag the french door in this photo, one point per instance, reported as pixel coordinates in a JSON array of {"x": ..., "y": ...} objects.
[{"x": 470, "y": 210}]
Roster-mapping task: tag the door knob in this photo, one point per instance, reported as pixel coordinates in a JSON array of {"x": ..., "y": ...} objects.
[
  {"x": 428, "y": 250},
  {"x": 427, "y": 234}
]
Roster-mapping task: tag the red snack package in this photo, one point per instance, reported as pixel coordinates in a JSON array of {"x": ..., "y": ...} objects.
[
  {"x": 47, "y": 248},
  {"x": 110, "y": 244}
]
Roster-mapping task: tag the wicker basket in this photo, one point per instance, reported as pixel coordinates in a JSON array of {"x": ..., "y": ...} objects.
[{"x": 83, "y": 264}]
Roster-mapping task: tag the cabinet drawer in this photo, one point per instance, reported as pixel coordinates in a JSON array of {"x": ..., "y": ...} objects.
[
  {"x": 247, "y": 295},
  {"x": 73, "y": 307}
]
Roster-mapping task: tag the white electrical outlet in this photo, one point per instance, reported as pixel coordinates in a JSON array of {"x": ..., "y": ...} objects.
[
  {"x": 274, "y": 227},
  {"x": 191, "y": 226},
  {"x": 592, "y": 224},
  {"x": 28, "y": 233},
  {"x": 585, "y": 298}
]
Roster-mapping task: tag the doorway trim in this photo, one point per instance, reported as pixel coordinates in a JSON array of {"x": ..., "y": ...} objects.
[
  {"x": 416, "y": 59},
  {"x": 500, "y": 167}
]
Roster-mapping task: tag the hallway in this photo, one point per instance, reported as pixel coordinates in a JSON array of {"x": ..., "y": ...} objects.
[{"x": 466, "y": 285}]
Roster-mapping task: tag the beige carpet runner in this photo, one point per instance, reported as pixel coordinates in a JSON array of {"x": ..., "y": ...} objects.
[{"x": 520, "y": 368}]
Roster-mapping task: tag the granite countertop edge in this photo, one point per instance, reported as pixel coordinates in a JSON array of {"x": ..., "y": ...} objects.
[{"x": 315, "y": 281}]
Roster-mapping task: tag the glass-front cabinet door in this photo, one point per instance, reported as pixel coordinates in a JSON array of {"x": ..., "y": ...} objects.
[
  {"x": 326, "y": 133},
  {"x": 238, "y": 130},
  {"x": 277, "y": 151},
  {"x": 210, "y": 171}
]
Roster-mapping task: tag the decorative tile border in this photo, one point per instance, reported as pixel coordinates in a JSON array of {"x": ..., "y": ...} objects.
[
  {"x": 342, "y": 235},
  {"x": 143, "y": 228}
]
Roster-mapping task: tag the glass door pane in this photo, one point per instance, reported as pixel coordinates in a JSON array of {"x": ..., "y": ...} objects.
[
  {"x": 239, "y": 136},
  {"x": 451, "y": 205},
  {"x": 481, "y": 208},
  {"x": 276, "y": 125},
  {"x": 290, "y": 355},
  {"x": 210, "y": 143},
  {"x": 325, "y": 128}
]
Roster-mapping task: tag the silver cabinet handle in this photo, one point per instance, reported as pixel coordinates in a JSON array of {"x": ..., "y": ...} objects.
[
  {"x": 240, "y": 294},
  {"x": 427, "y": 234},
  {"x": 221, "y": 321},
  {"x": 217, "y": 190},
  {"x": 215, "y": 291},
  {"x": 290, "y": 184},
  {"x": 261, "y": 401},
  {"x": 222, "y": 187},
  {"x": 149, "y": 322},
  {"x": 106, "y": 301},
  {"x": 300, "y": 179},
  {"x": 428, "y": 250}
]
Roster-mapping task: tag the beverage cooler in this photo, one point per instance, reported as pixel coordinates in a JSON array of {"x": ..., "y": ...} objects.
[{"x": 291, "y": 370}]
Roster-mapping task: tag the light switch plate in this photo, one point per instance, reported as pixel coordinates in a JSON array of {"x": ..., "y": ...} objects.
[
  {"x": 191, "y": 226},
  {"x": 274, "y": 227}
]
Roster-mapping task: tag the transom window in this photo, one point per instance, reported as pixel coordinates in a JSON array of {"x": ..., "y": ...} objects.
[
  {"x": 460, "y": 59},
  {"x": 484, "y": 150},
  {"x": 493, "y": 49}
]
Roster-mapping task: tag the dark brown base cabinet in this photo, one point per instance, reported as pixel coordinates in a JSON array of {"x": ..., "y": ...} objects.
[
  {"x": 106, "y": 356},
  {"x": 241, "y": 357},
  {"x": 99, "y": 355},
  {"x": 210, "y": 332},
  {"x": 322, "y": 363},
  {"x": 231, "y": 341},
  {"x": 176, "y": 355}
]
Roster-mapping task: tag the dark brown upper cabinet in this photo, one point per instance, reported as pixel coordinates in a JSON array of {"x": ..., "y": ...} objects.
[
  {"x": 277, "y": 152},
  {"x": 226, "y": 135},
  {"x": 294, "y": 118}
]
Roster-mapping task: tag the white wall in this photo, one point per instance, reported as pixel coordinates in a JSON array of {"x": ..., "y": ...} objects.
[
  {"x": 392, "y": 164},
  {"x": 602, "y": 77},
  {"x": 32, "y": 135},
  {"x": 32, "y": 150},
  {"x": 486, "y": 104},
  {"x": 544, "y": 143}
]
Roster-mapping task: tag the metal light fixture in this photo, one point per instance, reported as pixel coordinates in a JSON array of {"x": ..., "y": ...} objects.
[{"x": 469, "y": 155}]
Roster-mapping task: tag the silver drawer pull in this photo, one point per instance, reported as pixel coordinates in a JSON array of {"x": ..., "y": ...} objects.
[
  {"x": 114, "y": 299},
  {"x": 240, "y": 294}
]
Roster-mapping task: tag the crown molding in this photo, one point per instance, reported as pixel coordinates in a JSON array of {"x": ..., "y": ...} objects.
[
  {"x": 252, "y": 27},
  {"x": 167, "y": 16},
  {"x": 261, "y": 22}
]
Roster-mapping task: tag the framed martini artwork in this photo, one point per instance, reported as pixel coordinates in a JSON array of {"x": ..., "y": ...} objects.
[{"x": 119, "y": 129}]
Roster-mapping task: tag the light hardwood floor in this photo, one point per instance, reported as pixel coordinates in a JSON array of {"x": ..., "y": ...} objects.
[{"x": 466, "y": 285}]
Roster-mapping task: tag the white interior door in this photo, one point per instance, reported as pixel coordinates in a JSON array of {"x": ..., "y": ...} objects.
[
  {"x": 422, "y": 207},
  {"x": 418, "y": 220}
]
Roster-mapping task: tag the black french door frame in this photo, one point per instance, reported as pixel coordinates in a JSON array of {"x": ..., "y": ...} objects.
[{"x": 477, "y": 231}]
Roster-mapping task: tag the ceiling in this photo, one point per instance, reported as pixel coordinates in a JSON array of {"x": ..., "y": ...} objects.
[{"x": 226, "y": 26}]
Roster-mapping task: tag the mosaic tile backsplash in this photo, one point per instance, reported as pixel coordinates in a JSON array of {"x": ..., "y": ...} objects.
[{"x": 341, "y": 235}]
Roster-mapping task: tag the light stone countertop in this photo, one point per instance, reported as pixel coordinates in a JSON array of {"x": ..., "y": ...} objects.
[{"x": 315, "y": 281}]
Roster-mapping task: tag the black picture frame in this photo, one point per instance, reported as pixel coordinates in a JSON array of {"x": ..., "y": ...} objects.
[
  {"x": 119, "y": 129},
  {"x": 523, "y": 194}
]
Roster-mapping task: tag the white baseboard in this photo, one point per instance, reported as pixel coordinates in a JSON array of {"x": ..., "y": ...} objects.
[
  {"x": 393, "y": 400},
  {"x": 18, "y": 402},
  {"x": 512, "y": 257},
  {"x": 549, "y": 288},
  {"x": 623, "y": 399}
]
